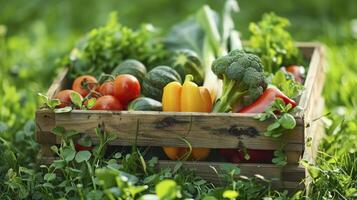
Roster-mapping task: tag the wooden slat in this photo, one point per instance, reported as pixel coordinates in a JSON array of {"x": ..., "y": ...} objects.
[
  {"x": 282, "y": 177},
  {"x": 314, "y": 79},
  {"x": 58, "y": 84},
  {"x": 223, "y": 130}
]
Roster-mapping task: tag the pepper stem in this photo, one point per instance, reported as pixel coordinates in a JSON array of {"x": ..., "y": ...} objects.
[{"x": 188, "y": 78}]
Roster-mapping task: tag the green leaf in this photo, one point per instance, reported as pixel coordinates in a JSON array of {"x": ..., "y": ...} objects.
[
  {"x": 167, "y": 190},
  {"x": 230, "y": 194},
  {"x": 117, "y": 155},
  {"x": 230, "y": 169},
  {"x": 43, "y": 97},
  {"x": 177, "y": 167},
  {"x": 85, "y": 140},
  {"x": 278, "y": 79},
  {"x": 63, "y": 110},
  {"x": 71, "y": 133},
  {"x": 287, "y": 121},
  {"x": 76, "y": 99},
  {"x": 94, "y": 195},
  {"x": 82, "y": 156},
  {"x": 126, "y": 177},
  {"x": 49, "y": 177},
  {"x": 91, "y": 102},
  {"x": 134, "y": 190},
  {"x": 58, "y": 130},
  {"x": 53, "y": 103},
  {"x": 68, "y": 153},
  {"x": 58, "y": 164},
  {"x": 313, "y": 170},
  {"x": 273, "y": 126}
]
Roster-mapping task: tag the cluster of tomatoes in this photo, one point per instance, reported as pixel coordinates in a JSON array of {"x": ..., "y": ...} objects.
[{"x": 111, "y": 95}]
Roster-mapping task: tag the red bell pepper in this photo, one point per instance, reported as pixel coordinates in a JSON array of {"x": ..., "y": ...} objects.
[
  {"x": 259, "y": 106},
  {"x": 266, "y": 99}
]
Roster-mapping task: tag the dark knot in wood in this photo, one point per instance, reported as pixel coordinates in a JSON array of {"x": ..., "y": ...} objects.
[
  {"x": 169, "y": 121},
  {"x": 238, "y": 131}
]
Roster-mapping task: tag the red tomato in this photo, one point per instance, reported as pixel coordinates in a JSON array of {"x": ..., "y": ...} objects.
[
  {"x": 126, "y": 88},
  {"x": 107, "y": 88},
  {"x": 65, "y": 98},
  {"x": 107, "y": 102},
  {"x": 297, "y": 71},
  {"x": 82, "y": 84}
]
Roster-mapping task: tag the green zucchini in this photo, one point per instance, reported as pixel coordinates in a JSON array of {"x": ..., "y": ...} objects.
[
  {"x": 132, "y": 67},
  {"x": 145, "y": 104},
  {"x": 155, "y": 81}
]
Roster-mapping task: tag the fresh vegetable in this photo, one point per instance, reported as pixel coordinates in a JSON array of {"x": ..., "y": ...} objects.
[
  {"x": 132, "y": 67},
  {"x": 106, "y": 47},
  {"x": 186, "y": 61},
  {"x": 286, "y": 84},
  {"x": 266, "y": 100},
  {"x": 210, "y": 36},
  {"x": 107, "y": 88},
  {"x": 242, "y": 75},
  {"x": 155, "y": 81},
  {"x": 186, "y": 98},
  {"x": 126, "y": 88},
  {"x": 297, "y": 71},
  {"x": 145, "y": 103},
  {"x": 107, "y": 102},
  {"x": 83, "y": 84},
  {"x": 64, "y": 97},
  {"x": 273, "y": 43}
]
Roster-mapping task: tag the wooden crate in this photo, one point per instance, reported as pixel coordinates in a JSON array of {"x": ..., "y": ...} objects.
[{"x": 208, "y": 130}]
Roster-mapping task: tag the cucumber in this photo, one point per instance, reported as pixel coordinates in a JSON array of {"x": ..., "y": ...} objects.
[{"x": 145, "y": 104}]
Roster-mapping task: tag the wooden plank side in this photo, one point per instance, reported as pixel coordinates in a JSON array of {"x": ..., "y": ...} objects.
[
  {"x": 314, "y": 132},
  {"x": 167, "y": 129},
  {"x": 314, "y": 80},
  {"x": 58, "y": 84},
  {"x": 288, "y": 177}
]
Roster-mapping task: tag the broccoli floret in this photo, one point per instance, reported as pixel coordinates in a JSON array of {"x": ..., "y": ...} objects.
[{"x": 242, "y": 75}]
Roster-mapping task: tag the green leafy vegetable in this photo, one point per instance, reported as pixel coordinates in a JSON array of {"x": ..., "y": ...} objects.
[
  {"x": 106, "y": 47},
  {"x": 272, "y": 42},
  {"x": 287, "y": 84}
]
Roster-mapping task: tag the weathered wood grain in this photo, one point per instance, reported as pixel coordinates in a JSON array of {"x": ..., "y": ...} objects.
[
  {"x": 222, "y": 130},
  {"x": 288, "y": 177}
]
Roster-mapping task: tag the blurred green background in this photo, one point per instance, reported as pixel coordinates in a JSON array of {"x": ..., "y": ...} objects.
[{"x": 34, "y": 34}]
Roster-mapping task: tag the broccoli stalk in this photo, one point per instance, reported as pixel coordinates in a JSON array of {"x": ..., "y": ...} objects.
[{"x": 243, "y": 77}]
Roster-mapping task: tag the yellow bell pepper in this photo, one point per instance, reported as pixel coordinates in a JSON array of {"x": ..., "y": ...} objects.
[{"x": 186, "y": 98}]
